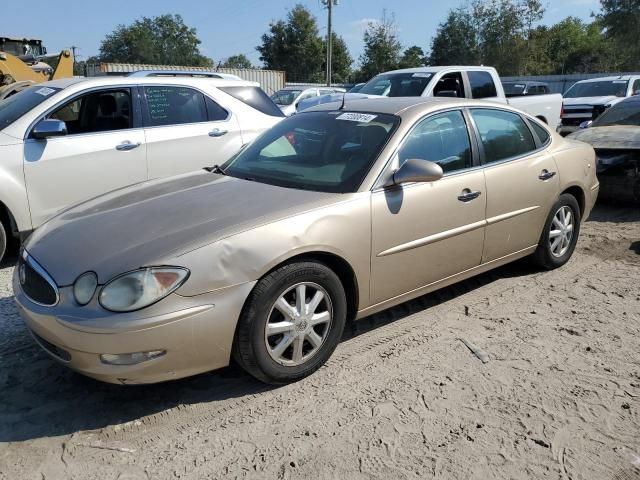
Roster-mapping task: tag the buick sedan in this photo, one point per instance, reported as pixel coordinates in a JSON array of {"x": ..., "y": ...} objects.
[{"x": 331, "y": 215}]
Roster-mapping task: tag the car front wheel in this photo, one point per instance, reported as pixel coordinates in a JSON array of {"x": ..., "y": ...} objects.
[
  {"x": 560, "y": 234},
  {"x": 3, "y": 241},
  {"x": 291, "y": 323}
]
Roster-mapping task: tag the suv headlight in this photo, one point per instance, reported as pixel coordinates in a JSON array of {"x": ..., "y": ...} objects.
[{"x": 141, "y": 288}]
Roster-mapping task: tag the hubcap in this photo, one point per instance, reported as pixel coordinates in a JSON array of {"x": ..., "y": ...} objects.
[
  {"x": 561, "y": 231},
  {"x": 298, "y": 324}
]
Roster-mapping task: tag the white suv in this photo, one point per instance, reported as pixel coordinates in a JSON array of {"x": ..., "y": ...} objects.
[{"x": 68, "y": 140}]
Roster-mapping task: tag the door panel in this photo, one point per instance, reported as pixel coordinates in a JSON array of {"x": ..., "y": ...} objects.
[
  {"x": 63, "y": 171},
  {"x": 518, "y": 203},
  {"x": 422, "y": 233},
  {"x": 179, "y": 149}
]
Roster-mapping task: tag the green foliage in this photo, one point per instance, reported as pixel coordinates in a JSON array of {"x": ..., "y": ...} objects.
[
  {"x": 621, "y": 21},
  {"x": 237, "y": 61},
  {"x": 412, "y": 57},
  {"x": 456, "y": 40},
  {"x": 381, "y": 48},
  {"x": 295, "y": 46},
  {"x": 162, "y": 40}
]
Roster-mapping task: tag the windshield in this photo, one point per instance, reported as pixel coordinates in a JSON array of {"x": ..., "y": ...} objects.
[
  {"x": 285, "y": 97},
  {"x": 356, "y": 88},
  {"x": 624, "y": 113},
  {"x": 397, "y": 84},
  {"x": 17, "y": 105},
  {"x": 321, "y": 151},
  {"x": 598, "y": 89},
  {"x": 513, "y": 89}
]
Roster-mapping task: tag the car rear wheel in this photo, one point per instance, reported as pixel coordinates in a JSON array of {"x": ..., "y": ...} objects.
[
  {"x": 291, "y": 323},
  {"x": 560, "y": 234},
  {"x": 3, "y": 241}
]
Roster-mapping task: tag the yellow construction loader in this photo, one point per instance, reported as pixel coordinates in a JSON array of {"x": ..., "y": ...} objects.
[{"x": 22, "y": 65}]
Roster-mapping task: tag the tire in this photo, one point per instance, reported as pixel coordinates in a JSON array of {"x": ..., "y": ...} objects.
[
  {"x": 279, "y": 356},
  {"x": 3, "y": 241},
  {"x": 545, "y": 255}
]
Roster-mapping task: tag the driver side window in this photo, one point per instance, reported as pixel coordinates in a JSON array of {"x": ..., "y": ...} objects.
[{"x": 443, "y": 139}]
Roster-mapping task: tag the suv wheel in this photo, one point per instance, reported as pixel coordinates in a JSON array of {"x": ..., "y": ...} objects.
[{"x": 291, "y": 323}]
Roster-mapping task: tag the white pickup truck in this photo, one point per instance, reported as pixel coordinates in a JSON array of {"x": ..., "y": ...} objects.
[
  {"x": 587, "y": 99},
  {"x": 450, "y": 81}
]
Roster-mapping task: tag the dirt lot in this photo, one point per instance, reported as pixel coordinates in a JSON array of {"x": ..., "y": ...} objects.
[{"x": 402, "y": 397}]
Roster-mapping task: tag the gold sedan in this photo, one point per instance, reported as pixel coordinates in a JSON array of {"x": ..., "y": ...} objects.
[{"x": 333, "y": 214}]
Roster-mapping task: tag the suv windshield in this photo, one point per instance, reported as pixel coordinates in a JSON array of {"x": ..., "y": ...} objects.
[
  {"x": 285, "y": 97},
  {"x": 624, "y": 113},
  {"x": 405, "y": 84},
  {"x": 321, "y": 151},
  {"x": 598, "y": 89},
  {"x": 17, "y": 105}
]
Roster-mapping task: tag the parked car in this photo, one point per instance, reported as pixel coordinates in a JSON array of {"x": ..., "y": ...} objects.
[
  {"x": 67, "y": 140},
  {"x": 333, "y": 214},
  {"x": 289, "y": 98},
  {"x": 526, "y": 87},
  {"x": 587, "y": 99},
  {"x": 615, "y": 136},
  {"x": 456, "y": 81}
]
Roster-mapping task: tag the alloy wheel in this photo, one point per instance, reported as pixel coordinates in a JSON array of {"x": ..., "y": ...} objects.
[{"x": 561, "y": 231}]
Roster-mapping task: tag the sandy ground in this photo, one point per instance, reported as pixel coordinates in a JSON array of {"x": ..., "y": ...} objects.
[{"x": 401, "y": 398}]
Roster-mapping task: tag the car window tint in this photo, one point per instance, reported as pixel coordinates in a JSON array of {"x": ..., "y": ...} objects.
[
  {"x": 636, "y": 87},
  {"x": 443, "y": 139},
  {"x": 15, "y": 106},
  {"x": 482, "y": 85},
  {"x": 171, "y": 105},
  {"x": 503, "y": 134},
  {"x": 215, "y": 112},
  {"x": 542, "y": 133},
  {"x": 100, "y": 111},
  {"x": 255, "y": 98}
]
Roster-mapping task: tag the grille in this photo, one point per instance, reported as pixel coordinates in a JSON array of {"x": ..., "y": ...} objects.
[
  {"x": 54, "y": 350},
  {"x": 36, "y": 283}
]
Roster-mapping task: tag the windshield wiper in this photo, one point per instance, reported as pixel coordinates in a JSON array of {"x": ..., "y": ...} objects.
[{"x": 215, "y": 169}]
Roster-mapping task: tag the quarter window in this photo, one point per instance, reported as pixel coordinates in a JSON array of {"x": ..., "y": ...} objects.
[
  {"x": 542, "y": 134},
  {"x": 100, "y": 111},
  {"x": 443, "y": 139},
  {"x": 482, "y": 85},
  {"x": 503, "y": 134},
  {"x": 636, "y": 88},
  {"x": 168, "y": 105}
]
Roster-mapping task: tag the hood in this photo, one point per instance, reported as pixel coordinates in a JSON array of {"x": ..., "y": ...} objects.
[
  {"x": 152, "y": 222},
  {"x": 6, "y": 139},
  {"x": 613, "y": 137},
  {"x": 568, "y": 102}
]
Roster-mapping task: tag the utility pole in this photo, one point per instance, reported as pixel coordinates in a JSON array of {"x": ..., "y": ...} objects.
[{"x": 329, "y": 4}]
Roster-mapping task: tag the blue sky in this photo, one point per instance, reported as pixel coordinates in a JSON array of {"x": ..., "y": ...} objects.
[{"x": 228, "y": 27}]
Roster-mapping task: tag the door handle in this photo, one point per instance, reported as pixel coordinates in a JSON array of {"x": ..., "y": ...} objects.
[
  {"x": 216, "y": 132},
  {"x": 546, "y": 175},
  {"x": 467, "y": 195},
  {"x": 126, "y": 146}
]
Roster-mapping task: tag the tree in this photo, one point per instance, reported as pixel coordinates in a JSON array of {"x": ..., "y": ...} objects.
[
  {"x": 456, "y": 40},
  {"x": 621, "y": 21},
  {"x": 293, "y": 45},
  {"x": 237, "y": 61},
  {"x": 162, "y": 40},
  {"x": 381, "y": 47},
  {"x": 341, "y": 60},
  {"x": 412, "y": 57}
]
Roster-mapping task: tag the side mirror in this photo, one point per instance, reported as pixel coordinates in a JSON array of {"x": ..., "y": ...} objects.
[
  {"x": 586, "y": 124},
  {"x": 417, "y": 170},
  {"x": 49, "y": 128}
]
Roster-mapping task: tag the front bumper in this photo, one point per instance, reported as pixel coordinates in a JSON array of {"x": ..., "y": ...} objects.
[{"x": 195, "y": 332}]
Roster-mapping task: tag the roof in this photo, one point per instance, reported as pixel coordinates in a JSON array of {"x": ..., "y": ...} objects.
[
  {"x": 168, "y": 80},
  {"x": 397, "y": 105},
  {"x": 435, "y": 69},
  {"x": 610, "y": 78}
]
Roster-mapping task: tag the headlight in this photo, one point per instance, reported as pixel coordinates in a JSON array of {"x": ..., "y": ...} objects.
[
  {"x": 141, "y": 288},
  {"x": 84, "y": 287}
]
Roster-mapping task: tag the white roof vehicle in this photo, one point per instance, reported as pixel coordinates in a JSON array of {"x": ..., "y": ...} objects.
[
  {"x": 587, "y": 99},
  {"x": 289, "y": 98},
  {"x": 450, "y": 81},
  {"x": 65, "y": 141}
]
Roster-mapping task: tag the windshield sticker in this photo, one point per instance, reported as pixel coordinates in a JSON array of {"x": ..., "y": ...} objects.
[
  {"x": 45, "y": 91},
  {"x": 421, "y": 75},
  {"x": 357, "y": 117}
]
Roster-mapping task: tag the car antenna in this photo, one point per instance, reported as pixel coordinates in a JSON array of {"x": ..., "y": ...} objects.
[{"x": 343, "y": 97}]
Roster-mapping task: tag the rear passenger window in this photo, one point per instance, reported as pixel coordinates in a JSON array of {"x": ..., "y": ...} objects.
[
  {"x": 255, "y": 98},
  {"x": 482, "y": 85},
  {"x": 503, "y": 134},
  {"x": 443, "y": 139},
  {"x": 169, "y": 105},
  {"x": 542, "y": 134}
]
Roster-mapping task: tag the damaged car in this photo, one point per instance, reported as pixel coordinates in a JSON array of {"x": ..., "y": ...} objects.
[{"x": 615, "y": 136}]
